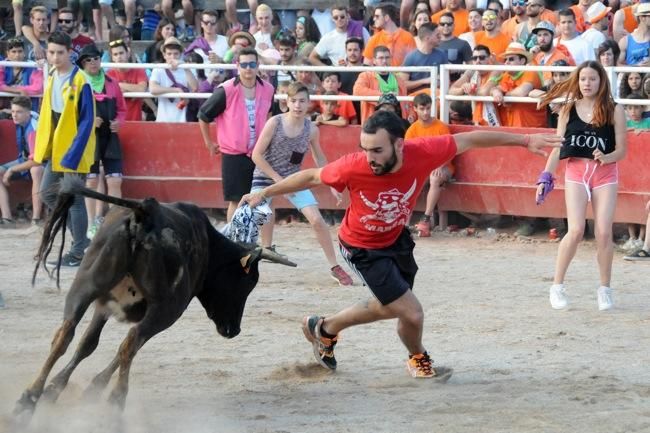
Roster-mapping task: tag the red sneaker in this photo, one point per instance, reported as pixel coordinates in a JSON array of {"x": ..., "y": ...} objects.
[
  {"x": 340, "y": 276},
  {"x": 424, "y": 229}
]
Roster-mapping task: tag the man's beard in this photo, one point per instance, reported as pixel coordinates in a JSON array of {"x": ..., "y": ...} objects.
[
  {"x": 547, "y": 47},
  {"x": 381, "y": 169}
]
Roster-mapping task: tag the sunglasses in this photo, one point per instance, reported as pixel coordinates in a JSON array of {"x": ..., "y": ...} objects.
[
  {"x": 209, "y": 23},
  {"x": 446, "y": 24},
  {"x": 66, "y": 21},
  {"x": 490, "y": 18},
  {"x": 511, "y": 59},
  {"x": 533, "y": 5},
  {"x": 518, "y": 2},
  {"x": 91, "y": 59},
  {"x": 480, "y": 57},
  {"x": 339, "y": 17},
  {"x": 116, "y": 43},
  {"x": 248, "y": 65}
]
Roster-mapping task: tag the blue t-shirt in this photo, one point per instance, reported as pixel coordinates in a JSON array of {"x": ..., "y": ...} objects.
[{"x": 418, "y": 58}]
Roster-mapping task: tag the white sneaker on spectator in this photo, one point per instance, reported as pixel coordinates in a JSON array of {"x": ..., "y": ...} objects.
[
  {"x": 558, "y": 297},
  {"x": 605, "y": 301}
]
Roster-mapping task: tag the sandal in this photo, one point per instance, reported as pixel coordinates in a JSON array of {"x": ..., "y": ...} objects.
[{"x": 638, "y": 255}]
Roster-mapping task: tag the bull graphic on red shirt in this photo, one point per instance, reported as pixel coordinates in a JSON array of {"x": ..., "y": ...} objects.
[{"x": 389, "y": 206}]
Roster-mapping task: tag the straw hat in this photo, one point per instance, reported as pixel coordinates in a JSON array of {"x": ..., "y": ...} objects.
[
  {"x": 515, "y": 48},
  {"x": 241, "y": 34},
  {"x": 171, "y": 42},
  {"x": 642, "y": 9},
  {"x": 597, "y": 12}
]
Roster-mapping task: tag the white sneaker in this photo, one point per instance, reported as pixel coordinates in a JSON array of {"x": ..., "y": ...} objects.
[
  {"x": 629, "y": 244},
  {"x": 605, "y": 301},
  {"x": 557, "y": 297}
]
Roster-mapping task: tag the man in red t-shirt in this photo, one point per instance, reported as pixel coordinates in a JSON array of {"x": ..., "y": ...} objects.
[
  {"x": 130, "y": 80},
  {"x": 384, "y": 181}
]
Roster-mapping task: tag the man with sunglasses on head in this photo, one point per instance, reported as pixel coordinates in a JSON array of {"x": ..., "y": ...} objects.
[
  {"x": 65, "y": 139},
  {"x": 332, "y": 46},
  {"x": 243, "y": 100},
  {"x": 491, "y": 35},
  {"x": 211, "y": 46}
]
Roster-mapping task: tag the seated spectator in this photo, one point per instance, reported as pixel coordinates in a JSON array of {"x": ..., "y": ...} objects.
[
  {"x": 625, "y": 21},
  {"x": 608, "y": 52},
  {"x": 310, "y": 80},
  {"x": 630, "y": 82},
  {"x": 129, "y": 80},
  {"x": 635, "y": 47},
  {"x": 568, "y": 36},
  {"x": 519, "y": 114},
  {"x": 236, "y": 42},
  {"x": 378, "y": 83},
  {"x": 475, "y": 24},
  {"x": 37, "y": 33},
  {"x": 483, "y": 113},
  {"x": 280, "y": 105},
  {"x": 172, "y": 80},
  {"x": 598, "y": 16},
  {"x": 264, "y": 17},
  {"x": 552, "y": 110},
  {"x": 150, "y": 22},
  {"x": 427, "y": 55},
  {"x": 427, "y": 126},
  {"x": 491, "y": 35},
  {"x": 121, "y": 33},
  {"x": 286, "y": 45},
  {"x": 110, "y": 112},
  {"x": 68, "y": 24},
  {"x": 211, "y": 46},
  {"x": 460, "y": 113},
  {"x": 165, "y": 30},
  {"x": 328, "y": 112},
  {"x": 208, "y": 80},
  {"x": 16, "y": 79},
  {"x": 461, "y": 15},
  {"x": 549, "y": 54},
  {"x": 419, "y": 18},
  {"x": 353, "y": 50},
  {"x": 331, "y": 48},
  {"x": 307, "y": 36},
  {"x": 389, "y": 102},
  {"x": 23, "y": 167},
  {"x": 398, "y": 41},
  {"x": 457, "y": 50},
  {"x": 634, "y": 114},
  {"x": 345, "y": 109}
]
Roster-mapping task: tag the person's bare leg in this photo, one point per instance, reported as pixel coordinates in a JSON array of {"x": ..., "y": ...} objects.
[
  {"x": 322, "y": 231},
  {"x": 129, "y": 8},
  {"x": 267, "y": 230},
  {"x": 99, "y": 25},
  {"x": 604, "y": 206},
  {"x": 231, "y": 12},
  {"x": 18, "y": 18},
  {"x": 91, "y": 206},
  {"x": 37, "y": 204},
  {"x": 407, "y": 309},
  {"x": 576, "y": 206},
  {"x": 405, "y": 12},
  {"x": 4, "y": 198},
  {"x": 168, "y": 10}
]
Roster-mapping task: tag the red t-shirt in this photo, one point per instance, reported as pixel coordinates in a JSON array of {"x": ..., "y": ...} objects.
[
  {"x": 380, "y": 206},
  {"x": 130, "y": 76}
]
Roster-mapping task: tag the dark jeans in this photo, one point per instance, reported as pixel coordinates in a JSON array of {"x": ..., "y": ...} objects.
[{"x": 77, "y": 218}]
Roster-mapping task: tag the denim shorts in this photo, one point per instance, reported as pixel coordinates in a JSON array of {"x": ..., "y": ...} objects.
[{"x": 299, "y": 199}]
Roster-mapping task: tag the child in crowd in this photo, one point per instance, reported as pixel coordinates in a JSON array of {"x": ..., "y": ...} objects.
[
  {"x": 172, "y": 80},
  {"x": 427, "y": 126},
  {"x": 280, "y": 106},
  {"x": 310, "y": 80},
  {"x": 328, "y": 114},
  {"x": 345, "y": 109}
]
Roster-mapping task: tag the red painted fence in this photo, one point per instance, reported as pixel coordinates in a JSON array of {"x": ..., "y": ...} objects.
[{"x": 170, "y": 162}]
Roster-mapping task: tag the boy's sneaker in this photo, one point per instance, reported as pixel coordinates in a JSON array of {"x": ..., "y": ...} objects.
[
  {"x": 94, "y": 227},
  {"x": 340, "y": 276},
  {"x": 67, "y": 261},
  {"x": 605, "y": 300},
  {"x": 423, "y": 229},
  {"x": 7, "y": 223},
  {"x": 323, "y": 347},
  {"x": 558, "y": 297},
  {"x": 419, "y": 366},
  {"x": 189, "y": 34}
]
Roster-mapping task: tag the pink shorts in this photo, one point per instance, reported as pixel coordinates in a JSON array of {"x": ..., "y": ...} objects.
[{"x": 591, "y": 174}]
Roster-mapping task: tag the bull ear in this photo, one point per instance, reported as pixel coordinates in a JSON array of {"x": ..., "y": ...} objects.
[{"x": 267, "y": 254}]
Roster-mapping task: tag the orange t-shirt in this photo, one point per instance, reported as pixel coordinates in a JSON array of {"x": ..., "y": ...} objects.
[
  {"x": 521, "y": 114},
  {"x": 437, "y": 127},
  {"x": 550, "y": 16},
  {"x": 399, "y": 43},
  {"x": 630, "y": 24},
  {"x": 497, "y": 44},
  {"x": 344, "y": 109},
  {"x": 460, "y": 20},
  {"x": 509, "y": 27}
]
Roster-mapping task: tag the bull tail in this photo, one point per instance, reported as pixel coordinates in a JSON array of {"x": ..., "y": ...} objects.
[{"x": 69, "y": 187}]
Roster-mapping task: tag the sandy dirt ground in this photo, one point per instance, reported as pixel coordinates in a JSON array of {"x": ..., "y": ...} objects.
[{"x": 519, "y": 365}]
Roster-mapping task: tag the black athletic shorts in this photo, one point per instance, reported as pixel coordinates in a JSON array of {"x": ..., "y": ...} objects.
[
  {"x": 236, "y": 176},
  {"x": 112, "y": 167},
  {"x": 388, "y": 272}
]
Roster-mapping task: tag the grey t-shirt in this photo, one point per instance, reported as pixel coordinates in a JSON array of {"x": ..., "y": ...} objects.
[
  {"x": 458, "y": 51},
  {"x": 418, "y": 58},
  {"x": 57, "y": 90}
]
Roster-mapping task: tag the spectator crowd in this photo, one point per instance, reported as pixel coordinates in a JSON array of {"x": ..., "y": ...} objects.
[{"x": 409, "y": 33}]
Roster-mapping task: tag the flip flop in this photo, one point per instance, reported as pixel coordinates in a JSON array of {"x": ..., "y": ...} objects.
[{"x": 639, "y": 255}]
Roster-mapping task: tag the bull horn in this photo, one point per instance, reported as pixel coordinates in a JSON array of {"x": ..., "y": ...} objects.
[{"x": 267, "y": 254}]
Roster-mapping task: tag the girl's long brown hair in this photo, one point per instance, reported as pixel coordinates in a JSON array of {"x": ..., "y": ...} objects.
[{"x": 570, "y": 90}]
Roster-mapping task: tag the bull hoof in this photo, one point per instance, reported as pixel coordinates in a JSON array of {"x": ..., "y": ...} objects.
[
  {"x": 26, "y": 405},
  {"x": 117, "y": 399}
]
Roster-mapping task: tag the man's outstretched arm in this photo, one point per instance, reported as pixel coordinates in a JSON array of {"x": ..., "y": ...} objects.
[
  {"x": 304, "y": 179},
  {"x": 482, "y": 139}
]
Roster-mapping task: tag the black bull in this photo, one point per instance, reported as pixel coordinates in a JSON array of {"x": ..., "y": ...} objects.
[{"x": 145, "y": 265}]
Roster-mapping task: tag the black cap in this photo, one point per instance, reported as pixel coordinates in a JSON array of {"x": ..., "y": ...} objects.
[
  {"x": 89, "y": 51},
  {"x": 388, "y": 98}
]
